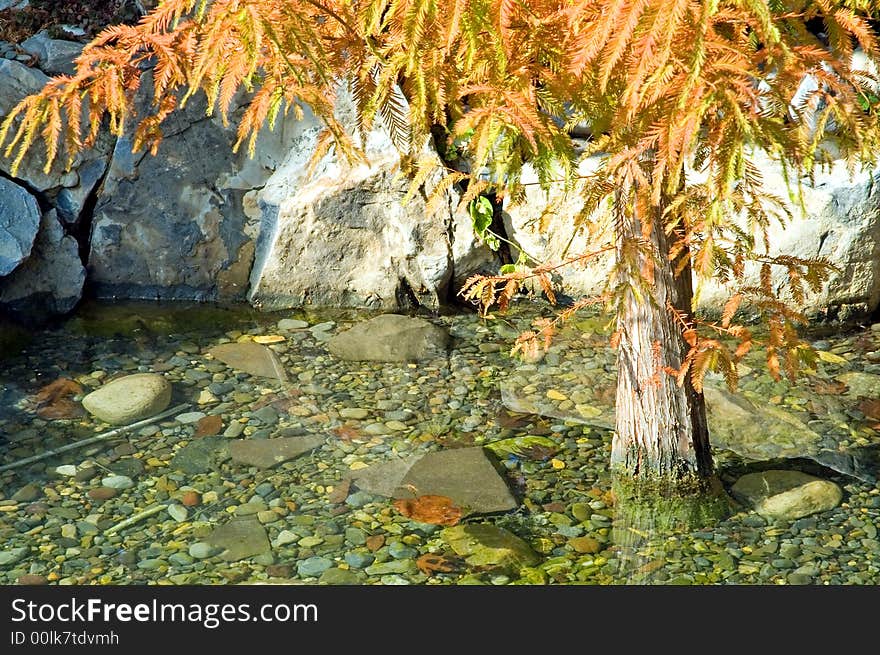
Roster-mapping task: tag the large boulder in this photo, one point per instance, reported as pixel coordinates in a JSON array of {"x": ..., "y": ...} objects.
[
  {"x": 67, "y": 188},
  {"x": 840, "y": 222},
  {"x": 53, "y": 56},
  {"x": 19, "y": 223},
  {"x": 51, "y": 280},
  {"x": 181, "y": 225},
  {"x": 344, "y": 236}
]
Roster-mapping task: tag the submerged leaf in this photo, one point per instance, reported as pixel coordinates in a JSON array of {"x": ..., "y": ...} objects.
[
  {"x": 438, "y": 510},
  {"x": 429, "y": 564}
]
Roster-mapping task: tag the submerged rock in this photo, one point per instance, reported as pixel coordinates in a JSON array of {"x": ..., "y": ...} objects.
[
  {"x": 251, "y": 358},
  {"x": 129, "y": 399},
  {"x": 786, "y": 495},
  {"x": 266, "y": 453},
  {"x": 390, "y": 338},
  {"x": 240, "y": 538},
  {"x": 463, "y": 474},
  {"x": 487, "y": 545}
]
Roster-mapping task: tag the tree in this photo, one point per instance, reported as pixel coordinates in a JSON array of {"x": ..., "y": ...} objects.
[{"x": 680, "y": 94}]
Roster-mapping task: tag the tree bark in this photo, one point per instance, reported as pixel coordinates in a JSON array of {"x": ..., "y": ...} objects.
[{"x": 661, "y": 429}]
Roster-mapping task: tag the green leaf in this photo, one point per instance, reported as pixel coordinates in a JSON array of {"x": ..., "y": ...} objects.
[
  {"x": 507, "y": 269},
  {"x": 480, "y": 210}
]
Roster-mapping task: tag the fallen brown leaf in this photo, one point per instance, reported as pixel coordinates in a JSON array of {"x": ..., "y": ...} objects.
[
  {"x": 438, "y": 510},
  {"x": 53, "y": 400},
  {"x": 347, "y": 433},
  {"x": 870, "y": 408},
  {"x": 829, "y": 388},
  {"x": 430, "y": 564}
]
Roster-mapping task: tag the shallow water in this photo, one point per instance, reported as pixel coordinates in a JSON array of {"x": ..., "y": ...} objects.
[{"x": 58, "y": 528}]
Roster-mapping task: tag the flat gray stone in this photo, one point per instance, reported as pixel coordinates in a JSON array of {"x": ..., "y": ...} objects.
[
  {"x": 861, "y": 384},
  {"x": 463, "y": 474},
  {"x": 266, "y": 453},
  {"x": 201, "y": 455},
  {"x": 253, "y": 358},
  {"x": 786, "y": 495},
  {"x": 240, "y": 539},
  {"x": 390, "y": 338}
]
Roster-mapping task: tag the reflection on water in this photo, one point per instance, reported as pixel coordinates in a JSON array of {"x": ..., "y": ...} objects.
[{"x": 257, "y": 478}]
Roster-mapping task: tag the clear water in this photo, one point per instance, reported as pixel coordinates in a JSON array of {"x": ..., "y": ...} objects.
[{"x": 55, "y": 529}]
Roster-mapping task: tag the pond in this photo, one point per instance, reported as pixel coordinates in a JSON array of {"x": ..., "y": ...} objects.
[{"x": 288, "y": 472}]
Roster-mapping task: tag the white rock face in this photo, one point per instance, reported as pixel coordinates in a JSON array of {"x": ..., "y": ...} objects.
[
  {"x": 840, "y": 222},
  {"x": 344, "y": 237}
]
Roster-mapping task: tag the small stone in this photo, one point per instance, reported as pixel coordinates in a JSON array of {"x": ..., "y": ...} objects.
[
  {"x": 190, "y": 417},
  {"x": 399, "y": 550},
  {"x": 394, "y": 566},
  {"x": 291, "y": 324},
  {"x": 586, "y": 545},
  {"x": 310, "y": 542},
  {"x": 27, "y": 493},
  {"x": 312, "y": 567},
  {"x": 553, "y": 394},
  {"x": 102, "y": 493},
  {"x": 359, "y": 560},
  {"x": 279, "y": 570},
  {"x": 355, "y": 536},
  {"x": 118, "y": 482},
  {"x": 32, "y": 579},
  {"x": 336, "y": 576},
  {"x": 206, "y": 397},
  {"x": 267, "y": 516},
  {"x": 178, "y": 513},
  {"x": 13, "y": 555},
  {"x": 359, "y": 499},
  {"x": 786, "y": 495},
  {"x": 285, "y": 537},
  {"x": 181, "y": 559},
  {"x": 202, "y": 550},
  {"x": 86, "y": 473},
  {"x": 67, "y": 470},
  {"x": 354, "y": 413}
]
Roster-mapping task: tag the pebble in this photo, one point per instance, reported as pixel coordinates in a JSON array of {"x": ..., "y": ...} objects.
[
  {"x": 190, "y": 417},
  {"x": 178, "y": 512},
  {"x": 359, "y": 560},
  {"x": 27, "y": 493},
  {"x": 68, "y": 470},
  {"x": 190, "y": 498},
  {"x": 286, "y": 537},
  {"x": 354, "y": 413},
  {"x": 202, "y": 550},
  {"x": 290, "y": 324},
  {"x": 312, "y": 567},
  {"x": 117, "y": 482},
  {"x": 359, "y": 499}
]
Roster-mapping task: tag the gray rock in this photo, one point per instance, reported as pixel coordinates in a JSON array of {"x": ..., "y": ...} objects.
[
  {"x": 117, "y": 482},
  {"x": 359, "y": 560},
  {"x": 861, "y": 384},
  {"x": 312, "y": 567},
  {"x": 182, "y": 225},
  {"x": 394, "y": 566},
  {"x": 463, "y": 474},
  {"x": 13, "y": 4},
  {"x": 19, "y": 224},
  {"x": 390, "y": 338},
  {"x": 54, "y": 56},
  {"x": 16, "y": 82},
  {"x": 385, "y": 254},
  {"x": 786, "y": 495},
  {"x": 266, "y": 453},
  {"x": 178, "y": 512},
  {"x": 13, "y": 555},
  {"x": 129, "y": 398},
  {"x": 253, "y": 358},
  {"x": 240, "y": 538},
  {"x": 189, "y": 417},
  {"x": 51, "y": 281},
  {"x": 201, "y": 455},
  {"x": 841, "y": 223},
  {"x": 339, "y": 577},
  {"x": 202, "y": 550},
  {"x": 290, "y": 324},
  {"x": 488, "y": 545}
]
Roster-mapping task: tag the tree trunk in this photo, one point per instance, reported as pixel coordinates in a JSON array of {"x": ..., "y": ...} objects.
[{"x": 661, "y": 430}]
